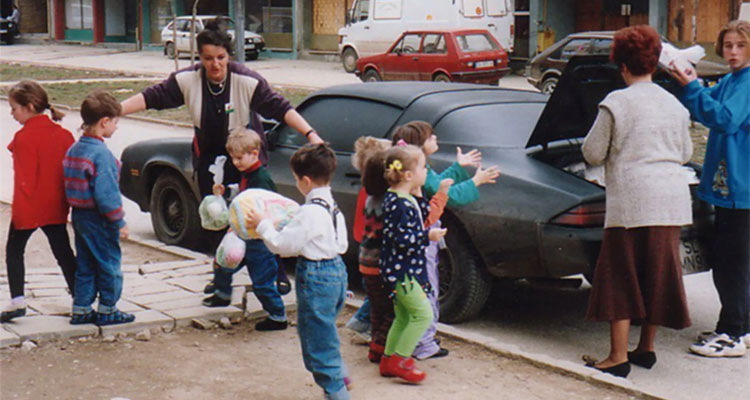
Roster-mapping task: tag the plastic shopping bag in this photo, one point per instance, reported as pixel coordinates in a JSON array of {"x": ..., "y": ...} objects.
[
  {"x": 278, "y": 208},
  {"x": 231, "y": 251},
  {"x": 214, "y": 213}
]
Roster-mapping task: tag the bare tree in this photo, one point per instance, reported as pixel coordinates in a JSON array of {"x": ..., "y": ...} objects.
[{"x": 192, "y": 32}]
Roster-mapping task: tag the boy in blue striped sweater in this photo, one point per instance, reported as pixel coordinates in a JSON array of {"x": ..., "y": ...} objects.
[{"x": 91, "y": 185}]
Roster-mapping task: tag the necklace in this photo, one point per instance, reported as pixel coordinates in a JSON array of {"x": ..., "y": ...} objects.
[{"x": 221, "y": 86}]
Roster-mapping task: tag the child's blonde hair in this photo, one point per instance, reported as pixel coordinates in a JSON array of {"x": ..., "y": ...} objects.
[
  {"x": 399, "y": 160},
  {"x": 243, "y": 140},
  {"x": 29, "y": 92},
  {"x": 364, "y": 148},
  {"x": 741, "y": 27}
]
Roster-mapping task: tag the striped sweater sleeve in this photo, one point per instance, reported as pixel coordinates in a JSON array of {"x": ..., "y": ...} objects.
[{"x": 107, "y": 191}]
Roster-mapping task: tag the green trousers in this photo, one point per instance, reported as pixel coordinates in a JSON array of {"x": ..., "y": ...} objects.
[{"x": 413, "y": 317}]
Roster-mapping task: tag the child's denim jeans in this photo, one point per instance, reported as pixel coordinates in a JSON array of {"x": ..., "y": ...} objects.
[
  {"x": 98, "y": 254},
  {"x": 321, "y": 292},
  {"x": 263, "y": 269}
]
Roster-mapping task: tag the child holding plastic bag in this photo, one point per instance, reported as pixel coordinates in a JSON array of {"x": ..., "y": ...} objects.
[{"x": 243, "y": 147}]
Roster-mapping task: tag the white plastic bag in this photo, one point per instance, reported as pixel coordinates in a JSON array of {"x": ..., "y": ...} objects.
[
  {"x": 231, "y": 251},
  {"x": 278, "y": 208},
  {"x": 214, "y": 213},
  {"x": 680, "y": 58}
]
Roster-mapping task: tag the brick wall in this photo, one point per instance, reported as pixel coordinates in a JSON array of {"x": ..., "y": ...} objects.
[{"x": 33, "y": 16}]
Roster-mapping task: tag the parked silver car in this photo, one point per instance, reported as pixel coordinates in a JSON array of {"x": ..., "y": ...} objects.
[{"x": 254, "y": 42}]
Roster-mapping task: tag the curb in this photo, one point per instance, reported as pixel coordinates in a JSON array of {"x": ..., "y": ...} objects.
[{"x": 563, "y": 367}]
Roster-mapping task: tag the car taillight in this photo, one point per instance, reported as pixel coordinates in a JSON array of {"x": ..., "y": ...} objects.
[
  {"x": 585, "y": 215},
  {"x": 470, "y": 64}
]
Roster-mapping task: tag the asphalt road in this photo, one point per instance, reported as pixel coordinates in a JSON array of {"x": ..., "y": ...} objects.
[{"x": 545, "y": 321}]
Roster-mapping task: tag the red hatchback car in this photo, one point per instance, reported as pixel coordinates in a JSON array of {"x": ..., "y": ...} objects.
[{"x": 470, "y": 55}]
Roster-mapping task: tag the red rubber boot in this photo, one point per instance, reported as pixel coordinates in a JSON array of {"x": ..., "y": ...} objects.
[
  {"x": 404, "y": 368},
  {"x": 385, "y": 366},
  {"x": 375, "y": 353}
]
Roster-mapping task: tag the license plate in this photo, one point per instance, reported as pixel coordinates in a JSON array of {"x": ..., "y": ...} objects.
[
  {"x": 249, "y": 46},
  {"x": 693, "y": 256},
  {"x": 484, "y": 64}
]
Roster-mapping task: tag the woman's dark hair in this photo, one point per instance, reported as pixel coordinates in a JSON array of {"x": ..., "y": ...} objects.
[
  {"x": 29, "y": 92},
  {"x": 97, "y": 105},
  {"x": 373, "y": 174},
  {"x": 215, "y": 33},
  {"x": 638, "y": 48},
  {"x": 414, "y": 132},
  {"x": 315, "y": 161}
]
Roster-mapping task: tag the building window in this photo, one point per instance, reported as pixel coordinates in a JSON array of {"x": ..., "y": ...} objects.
[{"x": 79, "y": 14}]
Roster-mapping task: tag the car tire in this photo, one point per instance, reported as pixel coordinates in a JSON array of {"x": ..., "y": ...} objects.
[
  {"x": 349, "y": 60},
  {"x": 252, "y": 56},
  {"x": 464, "y": 282},
  {"x": 549, "y": 85},
  {"x": 169, "y": 50},
  {"x": 371, "y": 76},
  {"x": 441, "y": 77},
  {"x": 174, "y": 211}
]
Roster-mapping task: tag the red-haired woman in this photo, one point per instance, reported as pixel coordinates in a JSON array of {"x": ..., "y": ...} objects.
[{"x": 641, "y": 136}]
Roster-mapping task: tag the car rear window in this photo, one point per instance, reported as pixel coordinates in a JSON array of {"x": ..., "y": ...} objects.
[
  {"x": 490, "y": 125},
  {"x": 475, "y": 42},
  {"x": 341, "y": 120}
]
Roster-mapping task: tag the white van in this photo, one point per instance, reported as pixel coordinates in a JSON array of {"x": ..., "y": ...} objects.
[{"x": 373, "y": 25}]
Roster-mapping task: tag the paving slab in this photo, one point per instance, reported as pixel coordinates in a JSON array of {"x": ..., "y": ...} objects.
[
  {"x": 8, "y": 339},
  {"x": 47, "y": 327},
  {"x": 51, "y": 284},
  {"x": 188, "y": 302},
  {"x": 150, "y": 287},
  {"x": 147, "y": 319},
  {"x": 151, "y": 268},
  {"x": 52, "y": 305},
  {"x": 129, "y": 307},
  {"x": 194, "y": 284},
  {"x": 146, "y": 299},
  {"x": 183, "y": 316},
  {"x": 51, "y": 292},
  {"x": 203, "y": 269},
  {"x": 31, "y": 278},
  {"x": 130, "y": 267}
]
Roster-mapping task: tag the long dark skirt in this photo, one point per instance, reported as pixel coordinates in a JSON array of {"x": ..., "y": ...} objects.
[{"x": 638, "y": 276}]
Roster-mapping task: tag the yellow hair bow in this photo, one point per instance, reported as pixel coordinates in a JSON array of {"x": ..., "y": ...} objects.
[{"x": 396, "y": 164}]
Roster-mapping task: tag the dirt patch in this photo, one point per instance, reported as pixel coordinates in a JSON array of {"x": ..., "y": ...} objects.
[{"x": 243, "y": 363}]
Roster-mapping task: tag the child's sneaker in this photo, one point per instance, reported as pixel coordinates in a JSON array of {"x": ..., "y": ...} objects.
[
  {"x": 114, "y": 318},
  {"x": 719, "y": 345},
  {"x": 746, "y": 340},
  {"x": 216, "y": 301},
  {"x": 11, "y": 313},
  {"x": 210, "y": 288},
  {"x": 270, "y": 325},
  {"x": 283, "y": 285},
  {"x": 80, "y": 319},
  {"x": 362, "y": 329}
]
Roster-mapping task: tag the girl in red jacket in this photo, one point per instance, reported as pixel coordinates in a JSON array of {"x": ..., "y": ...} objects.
[{"x": 38, "y": 194}]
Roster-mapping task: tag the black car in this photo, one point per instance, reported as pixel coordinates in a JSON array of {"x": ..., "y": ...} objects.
[
  {"x": 546, "y": 67},
  {"x": 541, "y": 220}
]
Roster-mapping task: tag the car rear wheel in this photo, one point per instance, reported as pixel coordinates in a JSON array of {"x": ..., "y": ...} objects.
[
  {"x": 174, "y": 212},
  {"x": 252, "y": 56},
  {"x": 441, "y": 77},
  {"x": 349, "y": 60},
  {"x": 371, "y": 76},
  {"x": 169, "y": 49},
  {"x": 464, "y": 282},
  {"x": 549, "y": 85}
]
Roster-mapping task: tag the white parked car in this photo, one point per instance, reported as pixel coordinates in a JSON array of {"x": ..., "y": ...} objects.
[{"x": 254, "y": 42}]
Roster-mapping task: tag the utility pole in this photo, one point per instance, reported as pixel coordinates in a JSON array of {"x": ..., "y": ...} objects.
[
  {"x": 192, "y": 33},
  {"x": 239, "y": 31}
]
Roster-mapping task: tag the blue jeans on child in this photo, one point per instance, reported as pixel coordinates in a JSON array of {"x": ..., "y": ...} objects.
[
  {"x": 98, "y": 255},
  {"x": 262, "y": 267},
  {"x": 321, "y": 292}
]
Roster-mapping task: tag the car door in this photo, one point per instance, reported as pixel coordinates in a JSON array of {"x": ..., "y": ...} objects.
[
  {"x": 183, "y": 35},
  {"x": 402, "y": 62},
  {"x": 574, "y": 47},
  {"x": 434, "y": 56},
  {"x": 351, "y": 118}
]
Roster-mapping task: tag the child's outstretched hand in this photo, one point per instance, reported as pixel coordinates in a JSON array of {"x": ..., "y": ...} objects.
[
  {"x": 124, "y": 232},
  {"x": 486, "y": 175},
  {"x": 253, "y": 218},
  {"x": 445, "y": 185},
  {"x": 472, "y": 158},
  {"x": 218, "y": 189},
  {"x": 437, "y": 233}
]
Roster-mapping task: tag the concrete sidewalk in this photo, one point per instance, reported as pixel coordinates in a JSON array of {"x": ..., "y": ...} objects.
[{"x": 294, "y": 73}]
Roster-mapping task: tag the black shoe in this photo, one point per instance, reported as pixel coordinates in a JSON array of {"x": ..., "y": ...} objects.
[
  {"x": 80, "y": 319},
  {"x": 282, "y": 283},
  {"x": 645, "y": 360},
  {"x": 6, "y": 316},
  {"x": 620, "y": 370},
  {"x": 210, "y": 288},
  {"x": 271, "y": 325},
  {"x": 216, "y": 301}
]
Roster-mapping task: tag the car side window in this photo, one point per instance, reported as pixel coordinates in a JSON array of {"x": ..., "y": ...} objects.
[
  {"x": 182, "y": 26},
  {"x": 410, "y": 43},
  {"x": 360, "y": 11},
  {"x": 601, "y": 46},
  {"x": 434, "y": 43},
  {"x": 573, "y": 48},
  {"x": 340, "y": 121}
]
